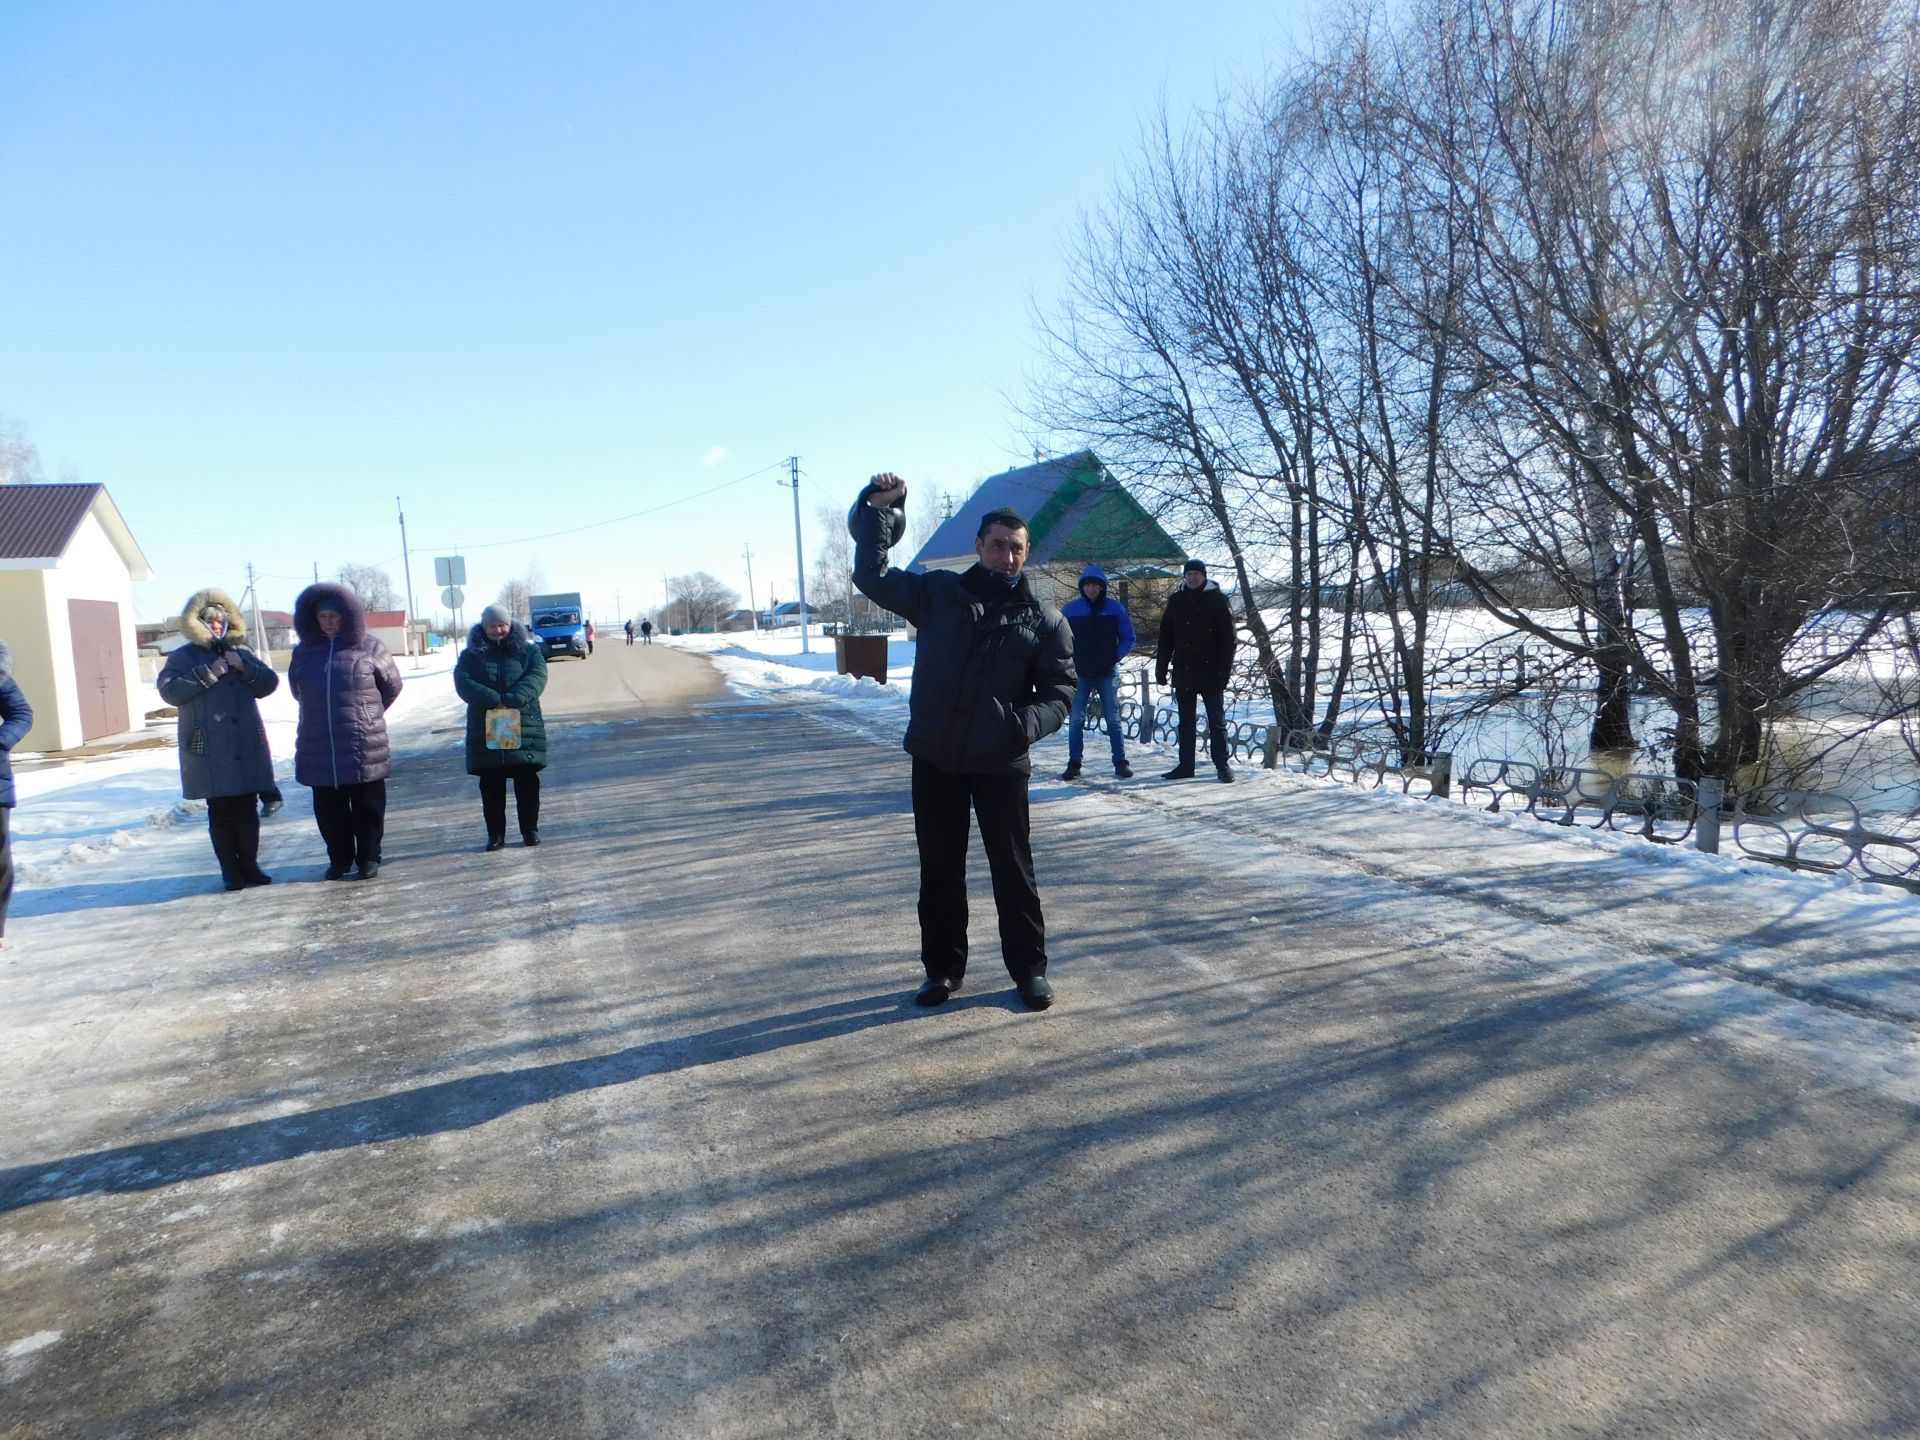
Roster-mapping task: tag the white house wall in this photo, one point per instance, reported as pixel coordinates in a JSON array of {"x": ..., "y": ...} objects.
[{"x": 23, "y": 610}]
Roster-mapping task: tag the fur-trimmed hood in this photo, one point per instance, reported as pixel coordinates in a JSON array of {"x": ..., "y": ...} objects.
[
  {"x": 193, "y": 623},
  {"x": 6, "y": 661},
  {"x": 518, "y": 635},
  {"x": 325, "y": 595}
]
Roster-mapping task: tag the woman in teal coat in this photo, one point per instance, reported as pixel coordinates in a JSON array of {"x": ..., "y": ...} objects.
[{"x": 503, "y": 668}]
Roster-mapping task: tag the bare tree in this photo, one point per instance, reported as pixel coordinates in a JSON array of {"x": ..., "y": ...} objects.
[
  {"x": 516, "y": 598},
  {"x": 1691, "y": 306},
  {"x": 372, "y": 584},
  {"x": 19, "y": 458},
  {"x": 698, "y": 601}
]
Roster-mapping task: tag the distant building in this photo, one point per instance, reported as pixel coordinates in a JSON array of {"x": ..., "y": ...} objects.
[
  {"x": 67, "y": 567},
  {"x": 1078, "y": 513},
  {"x": 788, "y": 613},
  {"x": 389, "y": 627}
]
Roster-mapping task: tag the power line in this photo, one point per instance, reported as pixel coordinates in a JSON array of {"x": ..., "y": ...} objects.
[{"x": 631, "y": 515}]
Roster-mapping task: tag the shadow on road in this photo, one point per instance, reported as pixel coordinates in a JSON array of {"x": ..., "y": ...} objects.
[{"x": 429, "y": 1109}]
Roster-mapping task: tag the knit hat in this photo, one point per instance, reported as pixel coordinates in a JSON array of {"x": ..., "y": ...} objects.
[
  {"x": 1199, "y": 565},
  {"x": 495, "y": 615}
]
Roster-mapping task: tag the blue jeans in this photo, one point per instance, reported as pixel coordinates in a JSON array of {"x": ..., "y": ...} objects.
[{"x": 1109, "y": 688}]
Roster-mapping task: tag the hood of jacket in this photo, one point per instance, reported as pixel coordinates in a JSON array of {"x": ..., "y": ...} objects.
[
  {"x": 325, "y": 595},
  {"x": 6, "y": 661},
  {"x": 518, "y": 635},
  {"x": 1092, "y": 572},
  {"x": 193, "y": 623}
]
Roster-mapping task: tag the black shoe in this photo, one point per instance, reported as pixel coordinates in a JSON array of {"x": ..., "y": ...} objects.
[
  {"x": 337, "y": 872},
  {"x": 496, "y": 842},
  {"x": 370, "y": 869},
  {"x": 1226, "y": 776},
  {"x": 1179, "y": 772},
  {"x": 531, "y": 837},
  {"x": 1123, "y": 769},
  {"x": 257, "y": 876},
  {"x": 1036, "y": 992},
  {"x": 936, "y": 989},
  {"x": 1072, "y": 772},
  {"x": 234, "y": 882}
]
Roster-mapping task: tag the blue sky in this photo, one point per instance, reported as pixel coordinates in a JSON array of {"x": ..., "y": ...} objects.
[{"x": 538, "y": 269}]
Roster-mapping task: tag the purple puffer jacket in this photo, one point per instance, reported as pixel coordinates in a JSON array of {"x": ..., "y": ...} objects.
[{"x": 344, "y": 686}]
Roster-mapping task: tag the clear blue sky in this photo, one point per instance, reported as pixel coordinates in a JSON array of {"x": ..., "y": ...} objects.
[{"x": 535, "y": 268}]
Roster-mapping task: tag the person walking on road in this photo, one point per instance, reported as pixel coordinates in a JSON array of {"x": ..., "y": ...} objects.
[
  {"x": 992, "y": 674},
  {"x": 589, "y": 637},
  {"x": 16, "y": 718},
  {"x": 344, "y": 680},
  {"x": 629, "y": 632},
  {"x": 1102, "y": 637},
  {"x": 502, "y": 668},
  {"x": 646, "y": 632},
  {"x": 1197, "y": 639},
  {"x": 216, "y": 684}
]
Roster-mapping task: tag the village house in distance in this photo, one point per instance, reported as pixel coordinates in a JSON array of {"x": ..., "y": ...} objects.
[
  {"x": 67, "y": 567},
  {"x": 1078, "y": 514}
]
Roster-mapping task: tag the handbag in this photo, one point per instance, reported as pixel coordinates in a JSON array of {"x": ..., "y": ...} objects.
[{"x": 502, "y": 729}]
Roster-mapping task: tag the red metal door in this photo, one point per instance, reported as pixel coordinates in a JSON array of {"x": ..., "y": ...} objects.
[{"x": 100, "y": 664}]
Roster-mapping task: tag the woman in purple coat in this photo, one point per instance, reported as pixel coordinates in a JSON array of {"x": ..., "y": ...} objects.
[{"x": 344, "y": 680}]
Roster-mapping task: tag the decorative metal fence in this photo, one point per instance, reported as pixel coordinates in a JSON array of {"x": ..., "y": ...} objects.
[{"x": 1798, "y": 829}]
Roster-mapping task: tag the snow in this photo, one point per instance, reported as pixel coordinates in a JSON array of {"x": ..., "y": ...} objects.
[
  {"x": 1816, "y": 964},
  {"x": 1819, "y": 964},
  {"x": 101, "y": 811}
]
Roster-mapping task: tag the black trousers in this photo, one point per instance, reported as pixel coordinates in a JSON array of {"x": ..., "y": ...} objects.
[
  {"x": 352, "y": 820},
  {"x": 941, "y": 804},
  {"x": 1216, "y": 725},
  {"x": 526, "y": 799},
  {"x": 233, "y": 824},
  {"x": 6, "y": 865}
]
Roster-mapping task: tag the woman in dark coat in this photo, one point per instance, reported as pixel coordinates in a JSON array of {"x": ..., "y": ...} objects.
[
  {"x": 344, "y": 679},
  {"x": 217, "y": 684},
  {"x": 503, "y": 667},
  {"x": 16, "y": 718}
]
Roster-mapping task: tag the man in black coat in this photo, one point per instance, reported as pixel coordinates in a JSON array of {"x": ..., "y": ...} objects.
[
  {"x": 992, "y": 674},
  {"x": 1197, "y": 640}
]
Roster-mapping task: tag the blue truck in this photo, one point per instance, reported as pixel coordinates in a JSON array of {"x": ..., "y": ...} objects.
[{"x": 560, "y": 624}]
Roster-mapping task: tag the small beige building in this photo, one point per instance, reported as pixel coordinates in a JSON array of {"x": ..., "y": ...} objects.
[{"x": 67, "y": 567}]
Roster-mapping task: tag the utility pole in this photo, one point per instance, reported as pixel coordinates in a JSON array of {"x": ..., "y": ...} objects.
[
  {"x": 406, "y": 567},
  {"x": 753, "y": 605},
  {"x": 799, "y": 555},
  {"x": 618, "y": 609},
  {"x": 259, "y": 624}
]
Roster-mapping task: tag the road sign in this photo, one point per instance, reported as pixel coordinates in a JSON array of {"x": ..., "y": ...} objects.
[
  {"x": 452, "y": 597},
  {"x": 450, "y": 570}
]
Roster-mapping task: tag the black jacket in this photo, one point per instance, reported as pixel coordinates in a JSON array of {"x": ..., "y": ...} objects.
[
  {"x": 1197, "y": 637},
  {"x": 992, "y": 669}
]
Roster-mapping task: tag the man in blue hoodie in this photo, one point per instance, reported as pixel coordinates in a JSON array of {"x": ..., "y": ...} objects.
[{"x": 1102, "y": 637}]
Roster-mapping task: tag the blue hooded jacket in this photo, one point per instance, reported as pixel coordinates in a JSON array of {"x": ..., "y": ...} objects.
[
  {"x": 1102, "y": 631},
  {"x": 16, "y": 718}
]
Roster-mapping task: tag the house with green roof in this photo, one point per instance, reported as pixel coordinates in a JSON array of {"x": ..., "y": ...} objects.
[{"x": 1078, "y": 513}]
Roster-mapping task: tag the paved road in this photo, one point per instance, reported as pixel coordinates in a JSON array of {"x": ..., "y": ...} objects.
[{"x": 638, "y": 1134}]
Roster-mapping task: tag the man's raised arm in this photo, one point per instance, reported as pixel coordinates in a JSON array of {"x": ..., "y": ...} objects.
[{"x": 877, "y": 522}]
